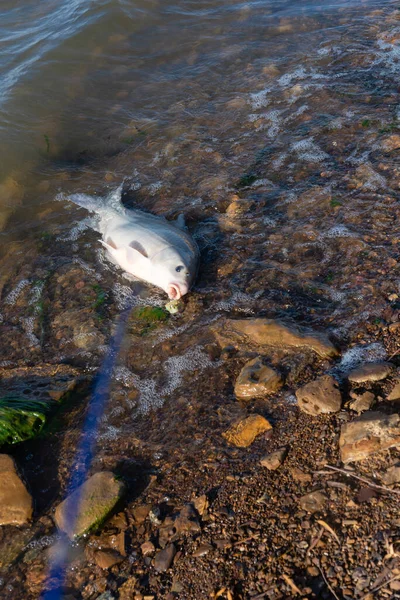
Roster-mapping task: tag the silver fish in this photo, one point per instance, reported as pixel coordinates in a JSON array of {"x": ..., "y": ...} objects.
[{"x": 144, "y": 245}]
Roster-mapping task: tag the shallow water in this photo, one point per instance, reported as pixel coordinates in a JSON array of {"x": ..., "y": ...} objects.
[
  {"x": 271, "y": 124},
  {"x": 265, "y": 123}
]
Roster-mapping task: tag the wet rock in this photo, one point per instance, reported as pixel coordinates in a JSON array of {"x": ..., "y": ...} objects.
[
  {"x": 269, "y": 332},
  {"x": 94, "y": 500},
  {"x": 244, "y": 433},
  {"x": 395, "y": 393},
  {"x": 392, "y": 475},
  {"x": 78, "y": 326},
  {"x": 163, "y": 559},
  {"x": 390, "y": 143},
  {"x": 15, "y": 500},
  {"x": 365, "y": 177},
  {"x": 274, "y": 460},
  {"x": 361, "y": 402},
  {"x": 257, "y": 379},
  {"x": 178, "y": 524},
  {"x": 43, "y": 382},
  {"x": 105, "y": 559},
  {"x": 321, "y": 396},
  {"x": 371, "y": 432},
  {"x": 313, "y": 502},
  {"x": 370, "y": 372}
]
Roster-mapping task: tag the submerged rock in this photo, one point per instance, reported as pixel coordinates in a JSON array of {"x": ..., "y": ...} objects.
[
  {"x": 270, "y": 332},
  {"x": 257, "y": 379},
  {"x": 274, "y": 460},
  {"x": 244, "y": 433},
  {"x": 390, "y": 143},
  {"x": 88, "y": 506},
  {"x": 321, "y": 396},
  {"x": 370, "y": 372},
  {"x": 15, "y": 500},
  {"x": 368, "y": 434}
]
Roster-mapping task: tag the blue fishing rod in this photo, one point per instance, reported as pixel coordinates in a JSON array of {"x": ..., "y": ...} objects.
[{"x": 84, "y": 456}]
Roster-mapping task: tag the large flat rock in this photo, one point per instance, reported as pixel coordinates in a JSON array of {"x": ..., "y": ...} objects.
[
  {"x": 15, "y": 500},
  {"x": 270, "y": 332},
  {"x": 89, "y": 505},
  {"x": 368, "y": 434}
]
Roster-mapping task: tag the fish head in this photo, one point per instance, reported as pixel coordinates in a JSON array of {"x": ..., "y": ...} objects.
[{"x": 174, "y": 273}]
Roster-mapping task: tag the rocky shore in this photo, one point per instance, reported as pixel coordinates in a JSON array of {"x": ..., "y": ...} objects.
[{"x": 279, "y": 479}]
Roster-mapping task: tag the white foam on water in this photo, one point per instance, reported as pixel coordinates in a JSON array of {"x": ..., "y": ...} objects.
[
  {"x": 76, "y": 231},
  {"x": 43, "y": 542},
  {"x": 16, "y": 292},
  {"x": 308, "y": 150},
  {"x": 390, "y": 55},
  {"x": 36, "y": 294},
  {"x": 299, "y": 75},
  {"x": 152, "y": 396},
  {"x": 274, "y": 117},
  {"x": 155, "y": 187},
  {"x": 360, "y": 354},
  {"x": 278, "y": 162},
  {"x": 28, "y": 324},
  {"x": 125, "y": 297},
  {"x": 337, "y": 231},
  {"x": 87, "y": 268},
  {"x": 260, "y": 99},
  {"x": 234, "y": 302},
  {"x": 336, "y": 123},
  {"x": 263, "y": 183},
  {"x": 110, "y": 434}
]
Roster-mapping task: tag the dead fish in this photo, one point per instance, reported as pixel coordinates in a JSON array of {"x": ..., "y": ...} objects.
[{"x": 144, "y": 245}]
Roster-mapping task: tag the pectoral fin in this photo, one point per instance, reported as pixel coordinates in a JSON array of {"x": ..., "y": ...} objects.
[{"x": 136, "y": 259}]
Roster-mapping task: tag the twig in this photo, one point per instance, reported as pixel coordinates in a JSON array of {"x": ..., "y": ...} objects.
[
  {"x": 291, "y": 584},
  {"x": 395, "y": 578},
  {"x": 327, "y": 582},
  {"x": 315, "y": 540},
  {"x": 394, "y": 354},
  {"x": 367, "y": 481}
]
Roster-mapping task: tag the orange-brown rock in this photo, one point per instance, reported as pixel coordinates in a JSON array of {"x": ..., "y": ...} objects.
[{"x": 244, "y": 433}]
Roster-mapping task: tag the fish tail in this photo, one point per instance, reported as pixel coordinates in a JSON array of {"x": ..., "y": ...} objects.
[{"x": 97, "y": 204}]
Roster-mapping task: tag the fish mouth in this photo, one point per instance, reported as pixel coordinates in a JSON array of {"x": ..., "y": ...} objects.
[{"x": 174, "y": 292}]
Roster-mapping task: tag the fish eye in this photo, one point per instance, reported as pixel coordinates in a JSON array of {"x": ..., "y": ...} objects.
[{"x": 179, "y": 269}]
